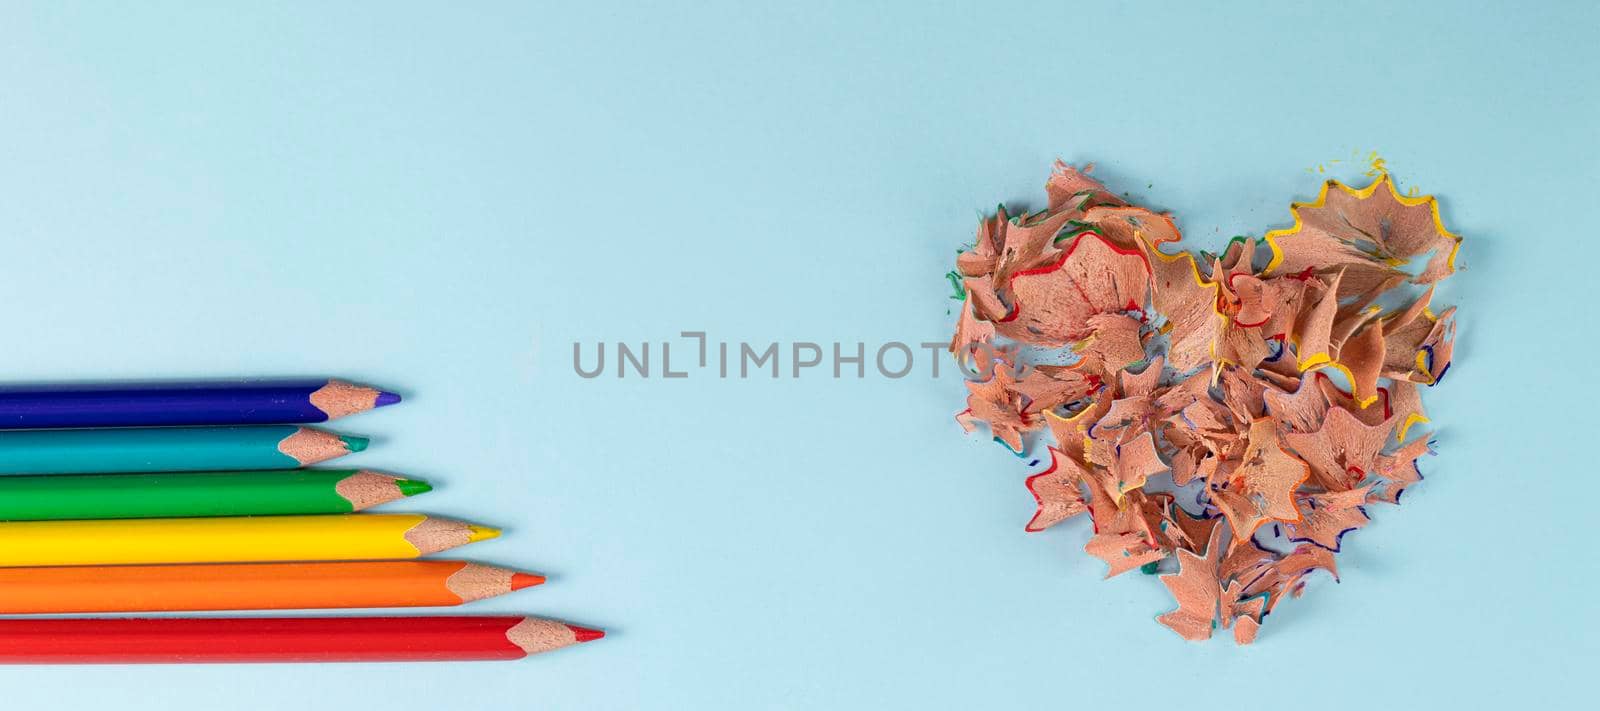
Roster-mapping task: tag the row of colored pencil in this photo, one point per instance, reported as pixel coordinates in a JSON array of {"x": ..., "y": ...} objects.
[{"x": 189, "y": 497}]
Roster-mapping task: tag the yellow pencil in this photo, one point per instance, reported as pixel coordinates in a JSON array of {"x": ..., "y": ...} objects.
[{"x": 232, "y": 540}]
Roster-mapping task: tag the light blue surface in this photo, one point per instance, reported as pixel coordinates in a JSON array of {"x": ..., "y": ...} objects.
[{"x": 443, "y": 202}]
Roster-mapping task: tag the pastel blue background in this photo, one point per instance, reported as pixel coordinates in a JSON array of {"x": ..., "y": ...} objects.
[{"x": 445, "y": 200}]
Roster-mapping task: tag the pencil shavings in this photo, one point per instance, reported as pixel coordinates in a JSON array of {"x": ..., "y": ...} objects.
[{"x": 1226, "y": 420}]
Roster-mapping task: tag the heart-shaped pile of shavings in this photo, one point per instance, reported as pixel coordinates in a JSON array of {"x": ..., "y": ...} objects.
[{"x": 1223, "y": 419}]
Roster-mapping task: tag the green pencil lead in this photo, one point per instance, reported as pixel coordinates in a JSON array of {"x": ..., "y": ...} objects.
[{"x": 412, "y": 487}]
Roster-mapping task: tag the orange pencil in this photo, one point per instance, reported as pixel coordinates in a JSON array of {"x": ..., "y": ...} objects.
[{"x": 253, "y": 586}]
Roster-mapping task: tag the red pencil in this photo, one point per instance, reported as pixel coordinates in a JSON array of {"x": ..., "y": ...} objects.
[{"x": 282, "y": 639}]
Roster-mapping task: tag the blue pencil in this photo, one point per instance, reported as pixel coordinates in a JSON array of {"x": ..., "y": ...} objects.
[
  {"x": 242, "y": 402},
  {"x": 170, "y": 449}
]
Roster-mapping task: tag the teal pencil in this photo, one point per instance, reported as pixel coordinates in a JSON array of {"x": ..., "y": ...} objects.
[{"x": 169, "y": 449}]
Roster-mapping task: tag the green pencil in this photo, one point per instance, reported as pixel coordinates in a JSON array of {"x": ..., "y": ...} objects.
[
  {"x": 192, "y": 494},
  {"x": 169, "y": 449}
]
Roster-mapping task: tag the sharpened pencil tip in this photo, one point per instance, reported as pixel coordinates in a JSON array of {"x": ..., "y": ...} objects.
[
  {"x": 584, "y": 634},
  {"x": 385, "y": 398},
  {"x": 412, "y": 487},
  {"x": 477, "y": 533},
  {"x": 525, "y": 580},
  {"x": 354, "y": 444}
]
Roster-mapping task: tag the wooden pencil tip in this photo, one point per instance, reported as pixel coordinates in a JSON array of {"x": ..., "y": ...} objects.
[
  {"x": 366, "y": 489},
  {"x": 309, "y": 445},
  {"x": 432, "y": 534},
  {"x": 525, "y": 580},
  {"x": 584, "y": 634},
  {"x": 339, "y": 398}
]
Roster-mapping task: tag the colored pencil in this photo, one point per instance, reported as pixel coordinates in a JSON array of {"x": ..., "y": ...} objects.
[
  {"x": 157, "y": 449},
  {"x": 282, "y": 639},
  {"x": 253, "y": 586},
  {"x": 240, "y": 402},
  {"x": 177, "y": 495},
  {"x": 262, "y": 539}
]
